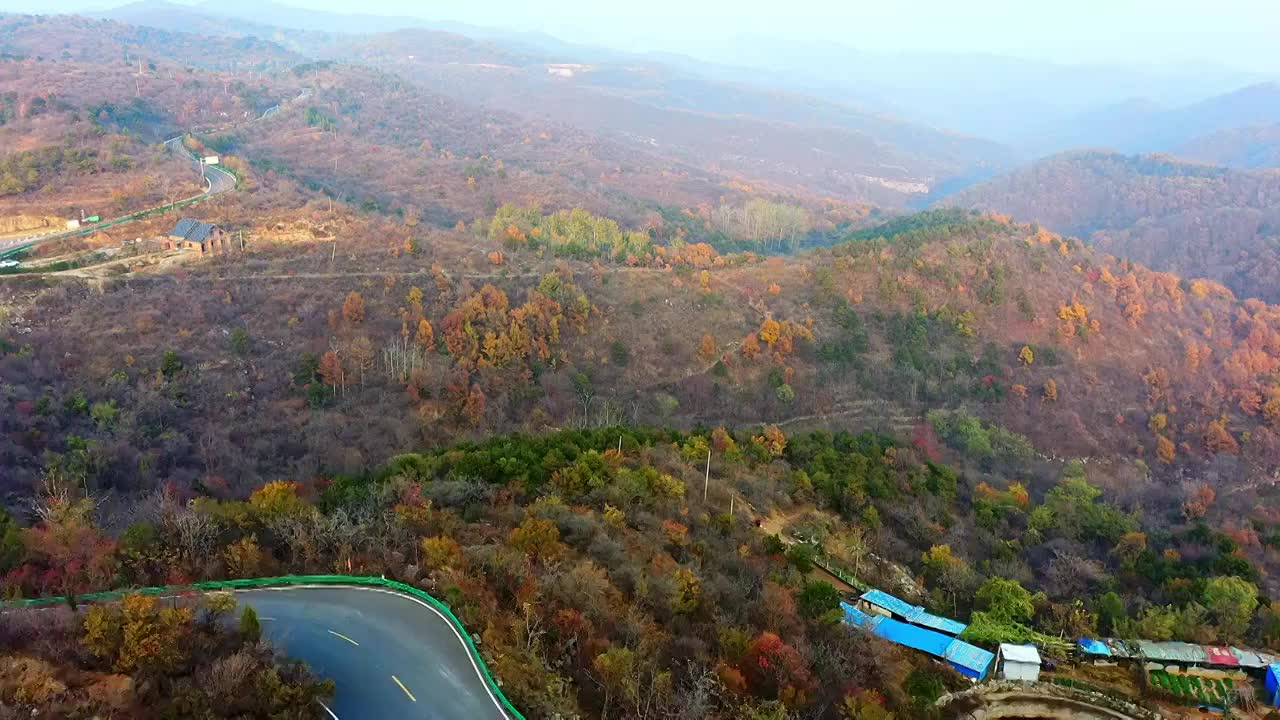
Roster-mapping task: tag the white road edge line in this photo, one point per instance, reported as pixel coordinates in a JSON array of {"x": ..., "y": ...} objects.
[
  {"x": 326, "y": 709},
  {"x": 456, "y": 634}
]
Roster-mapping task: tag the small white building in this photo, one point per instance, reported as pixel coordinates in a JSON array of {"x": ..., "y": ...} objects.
[{"x": 1018, "y": 662}]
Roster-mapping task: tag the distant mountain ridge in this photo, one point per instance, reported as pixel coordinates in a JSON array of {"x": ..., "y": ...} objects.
[
  {"x": 768, "y": 138},
  {"x": 82, "y": 39},
  {"x": 1251, "y": 147},
  {"x": 1193, "y": 219},
  {"x": 1144, "y": 126}
]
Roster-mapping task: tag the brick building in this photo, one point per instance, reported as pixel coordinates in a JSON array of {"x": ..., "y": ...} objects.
[{"x": 191, "y": 234}]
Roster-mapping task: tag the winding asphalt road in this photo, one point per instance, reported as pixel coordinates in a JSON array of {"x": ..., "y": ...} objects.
[{"x": 391, "y": 655}]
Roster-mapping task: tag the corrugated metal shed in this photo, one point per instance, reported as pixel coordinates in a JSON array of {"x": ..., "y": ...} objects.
[
  {"x": 1019, "y": 662},
  {"x": 934, "y": 643},
  {"x": 1089, "y": 646},
  {"x": 969, "y": 660},
  {"x": 1172, "y": 652},
  {"x": 913, "y": 614},
  {"x": 937, "y": 622},
  {"x": 897, "y": 606},
  {"x": 854, "y": 616}
]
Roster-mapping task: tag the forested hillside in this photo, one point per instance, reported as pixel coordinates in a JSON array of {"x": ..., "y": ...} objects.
[
  {"x": 636, "y": 596},
  {"x": 1252, "y": 147},
  {"x": 588, "y": 390},
  {"x": 312, "y": 366},
  {"x": 1193, "y": 220}
]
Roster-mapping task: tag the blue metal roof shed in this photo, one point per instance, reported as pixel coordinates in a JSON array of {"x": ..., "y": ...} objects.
[
  {"x": 854, "y": 616},
  {"x": 913, "y": 614},
  {"x": 969, "y": 660},
  {"x": 1273, "y": 684}
]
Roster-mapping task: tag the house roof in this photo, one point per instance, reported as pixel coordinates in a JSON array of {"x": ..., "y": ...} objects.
[
  {"x": 192, "y": 230},
  {"x": 913, "y": 614},
  {"x": 1220, "y": 656},
  {"x": 1020, "y": 653},
  {"x": 1172, "y": 651},
  {"x": 1247, "y": 658}
]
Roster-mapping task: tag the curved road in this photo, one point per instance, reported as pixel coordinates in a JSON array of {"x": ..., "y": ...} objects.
[
  {"x": 216, "y": 179},
  {"x": 391, "y": 655}
]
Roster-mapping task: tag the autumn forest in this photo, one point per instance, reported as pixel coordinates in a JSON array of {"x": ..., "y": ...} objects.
[{"x": 640, "y": 408}]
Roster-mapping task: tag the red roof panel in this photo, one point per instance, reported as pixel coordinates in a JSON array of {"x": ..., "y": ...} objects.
[{"x": 1221, "y": 656}]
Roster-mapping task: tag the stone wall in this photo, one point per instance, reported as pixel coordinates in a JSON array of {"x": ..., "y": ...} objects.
[{"x": 995, "y": 700}]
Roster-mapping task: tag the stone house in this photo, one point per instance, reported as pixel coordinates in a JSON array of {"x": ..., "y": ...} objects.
[{"x": 191, "y": 234}]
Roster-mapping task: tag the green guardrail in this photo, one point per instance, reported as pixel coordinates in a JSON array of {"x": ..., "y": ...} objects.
[
  {"x": 841, "y": 573},
  {"x": 286, "y": 580}
]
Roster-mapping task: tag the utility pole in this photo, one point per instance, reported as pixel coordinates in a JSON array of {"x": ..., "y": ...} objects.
[
  {"x": 706, "y": 480},
  {"x": 732, "y": 497}
]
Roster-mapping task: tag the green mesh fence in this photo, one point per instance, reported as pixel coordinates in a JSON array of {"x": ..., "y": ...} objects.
[{"x": 287, "y": 580}]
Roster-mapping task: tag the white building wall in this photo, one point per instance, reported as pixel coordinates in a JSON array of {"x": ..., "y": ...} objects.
[{"x": 1011, "y": 670}]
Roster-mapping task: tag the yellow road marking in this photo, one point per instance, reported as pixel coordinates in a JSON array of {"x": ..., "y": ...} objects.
[
  {"x": 405, "y": 689},
  {"x": 344, "y": 637}
]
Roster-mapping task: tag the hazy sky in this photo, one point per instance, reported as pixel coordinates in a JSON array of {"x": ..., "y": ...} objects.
[{"x": 1240, "y": 34}]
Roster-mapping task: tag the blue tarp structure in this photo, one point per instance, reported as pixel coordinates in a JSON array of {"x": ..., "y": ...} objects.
[
  {"x": 969, "y": 660},
  {"x": 1093, "y": 647},
  {"x": 1273, "y": 684},
  {"x": 913, "y": 614}
]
